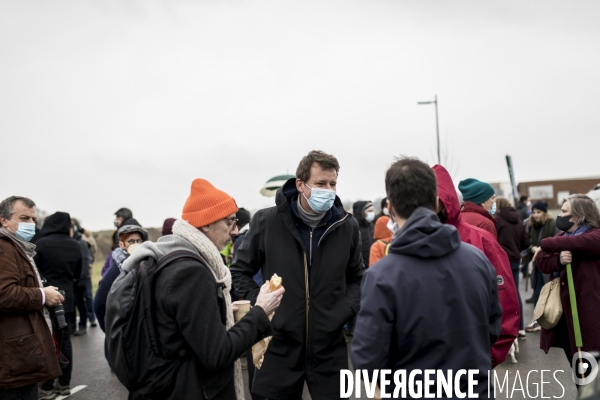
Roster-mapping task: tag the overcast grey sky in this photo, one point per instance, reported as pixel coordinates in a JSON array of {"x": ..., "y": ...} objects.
[{"x": 107, "y": 104}]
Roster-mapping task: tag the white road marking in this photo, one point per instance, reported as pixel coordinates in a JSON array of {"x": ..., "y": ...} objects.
[{"x": 73, "y": 391}]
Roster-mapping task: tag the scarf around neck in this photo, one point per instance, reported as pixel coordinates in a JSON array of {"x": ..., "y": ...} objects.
[
  {"x": 209, "y": 252},
  {"x": 29, "y": 249},
  {"x": 309, "y": 219}
]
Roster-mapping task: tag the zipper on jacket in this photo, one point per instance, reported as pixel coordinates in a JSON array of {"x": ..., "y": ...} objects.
[
  {"x": 307, "y": 297},
  {"x": 310, "y": 246},
  {"x": 330, "y": 226}
]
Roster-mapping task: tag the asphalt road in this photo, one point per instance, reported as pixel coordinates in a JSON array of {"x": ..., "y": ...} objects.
[{"x": 94, "y": 381}]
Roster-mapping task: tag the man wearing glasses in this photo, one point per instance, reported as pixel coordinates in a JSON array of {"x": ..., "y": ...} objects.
[
  {"x": 194, "y": 317},
  {"x": 314, "y": 245},
  {"x": 128, "y": 235}
]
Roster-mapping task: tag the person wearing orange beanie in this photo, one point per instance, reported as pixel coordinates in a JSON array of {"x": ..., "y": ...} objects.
[{"x": 193, "y": 303}]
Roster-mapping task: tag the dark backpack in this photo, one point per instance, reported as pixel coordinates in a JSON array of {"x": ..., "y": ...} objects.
[{"x": 131, "y": 336}]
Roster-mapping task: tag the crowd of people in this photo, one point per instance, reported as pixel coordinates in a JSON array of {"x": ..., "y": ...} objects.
[{"x": 428, "y": 282}]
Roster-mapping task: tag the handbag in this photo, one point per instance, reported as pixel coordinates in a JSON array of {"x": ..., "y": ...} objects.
[{"x": 548, "y": 309}]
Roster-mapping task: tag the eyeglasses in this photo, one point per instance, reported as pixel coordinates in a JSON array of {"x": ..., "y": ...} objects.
[
  {"x": 231, "y": 222},
  {"x": 134, "y": 241}
]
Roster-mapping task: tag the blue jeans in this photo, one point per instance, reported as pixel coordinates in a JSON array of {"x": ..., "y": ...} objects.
[{"x": 514, "y": 266}]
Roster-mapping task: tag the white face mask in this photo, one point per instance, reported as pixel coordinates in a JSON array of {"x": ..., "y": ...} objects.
[
  {"x": 385, "y": 211},
  {"x": 392, "y": 226},
  {"x": 370, "y": 216}
]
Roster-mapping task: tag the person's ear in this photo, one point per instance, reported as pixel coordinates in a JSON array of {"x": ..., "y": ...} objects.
[
  {"x": 390, "y": 208},
  {"x": 205, "y": 229},
  {"x": 122, "y": 245},
  {"x": 299, "y": 185}
]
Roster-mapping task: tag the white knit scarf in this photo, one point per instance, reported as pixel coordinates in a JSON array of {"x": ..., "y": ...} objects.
[{"x": 210, "y": 253}]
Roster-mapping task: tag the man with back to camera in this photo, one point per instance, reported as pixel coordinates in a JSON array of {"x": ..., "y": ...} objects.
[
  {"x": 314, "y": 245},
  {"x": 432, "y": 302},
  {"x": 24, "y": 321}
]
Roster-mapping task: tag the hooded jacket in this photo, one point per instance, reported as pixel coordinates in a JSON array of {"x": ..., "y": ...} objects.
[
  {"x": 58, "y": 256},
  {"x": 320, "y": 296},
  {"x": 382, "y": 238},
  {"x": 486, "y": 242},
  {"x": 366, "y": 228},
  {"x": 512, "y": 234},
  {"x": 431, "y": 303},
  {"x": 522, "y": 210},
  {"x": 478, "y": 216}
]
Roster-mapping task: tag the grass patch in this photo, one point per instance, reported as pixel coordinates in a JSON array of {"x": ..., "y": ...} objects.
[{"x": 96, "y": 270}]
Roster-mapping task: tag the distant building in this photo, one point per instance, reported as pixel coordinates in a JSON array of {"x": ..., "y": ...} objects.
[{"x": 555, "y": 191}]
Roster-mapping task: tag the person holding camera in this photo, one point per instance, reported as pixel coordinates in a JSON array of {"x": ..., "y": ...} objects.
[
  {"x": 26, "y": 345},
  {"x": 59, "y": 259}
]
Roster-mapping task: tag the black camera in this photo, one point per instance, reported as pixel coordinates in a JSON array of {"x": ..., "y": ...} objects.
[{"x": 57, "y": 313}]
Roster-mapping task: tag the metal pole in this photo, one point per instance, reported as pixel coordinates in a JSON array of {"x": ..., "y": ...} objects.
[{"x": 437, "y": 129}]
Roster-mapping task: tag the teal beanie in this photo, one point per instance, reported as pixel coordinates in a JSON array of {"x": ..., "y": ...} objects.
[{"x": 475, "y": 191}]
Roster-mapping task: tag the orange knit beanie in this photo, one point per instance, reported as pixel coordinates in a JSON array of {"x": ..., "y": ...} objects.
[{"x": 207, "y": 204}]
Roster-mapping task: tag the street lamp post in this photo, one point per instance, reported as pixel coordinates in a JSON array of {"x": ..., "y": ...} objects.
[{"x": 437, "y": 126}]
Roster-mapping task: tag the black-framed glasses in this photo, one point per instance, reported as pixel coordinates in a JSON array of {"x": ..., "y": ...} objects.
[
  {"x": 231, "y": 222},
  {"x": 135, "y": 241}
]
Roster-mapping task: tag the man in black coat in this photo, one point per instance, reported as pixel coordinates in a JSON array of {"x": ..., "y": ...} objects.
[
  {"x": 59, "y": 260},
  {"x": 432, "y": 302},
  {"x": 364, "y": 213},
  {"x": 314, "y": 246}
]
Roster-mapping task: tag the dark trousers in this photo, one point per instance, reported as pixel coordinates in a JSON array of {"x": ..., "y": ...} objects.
[
  {"x": 540, "y": 280},
  {"x": 89, "y": 301},
  {"x": 81, "y": 306},
  {"x": 63, "y": 339},
  {"x": 29, "y": 392},
  {"x": 514, "y": 265}
]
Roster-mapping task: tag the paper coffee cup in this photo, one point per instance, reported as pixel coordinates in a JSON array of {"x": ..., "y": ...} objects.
[{"x": 243, "y": 308}]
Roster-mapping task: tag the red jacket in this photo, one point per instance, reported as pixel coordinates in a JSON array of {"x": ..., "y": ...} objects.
[
  {"x": 487, "y": 243},
  {"x": 585, "y": 249},
  {"x": 478, "y": 216}
]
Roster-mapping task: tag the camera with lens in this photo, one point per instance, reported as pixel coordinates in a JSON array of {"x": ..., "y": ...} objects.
[{"x": 57, "y": 313}]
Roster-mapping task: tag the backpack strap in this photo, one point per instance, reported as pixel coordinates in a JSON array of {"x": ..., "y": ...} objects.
[
  {"x": 178, "y": 255},
  {"x": 183, "y": 254},
  {"x": 387, "y": 249}
]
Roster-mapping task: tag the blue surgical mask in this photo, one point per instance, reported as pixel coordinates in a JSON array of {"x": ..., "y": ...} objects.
[
  {"x": 493, "y": 210},
  {"x": 321, "y": 200},
  {"x": 26, "y": 230}
]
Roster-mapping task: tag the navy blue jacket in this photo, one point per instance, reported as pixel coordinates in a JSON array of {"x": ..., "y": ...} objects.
[
  {"x": 102, "y": 293},
  {"x": 432, "y": 303}
]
